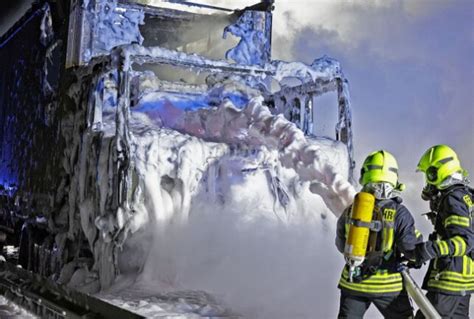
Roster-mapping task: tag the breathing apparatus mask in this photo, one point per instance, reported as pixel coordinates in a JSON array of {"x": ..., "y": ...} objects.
[
  {"x": 429, "y": 192},
  {"x": 383, "y": 190}
]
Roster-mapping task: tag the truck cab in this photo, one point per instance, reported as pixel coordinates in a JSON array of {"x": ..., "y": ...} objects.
[{"x": 77, "y": 75}]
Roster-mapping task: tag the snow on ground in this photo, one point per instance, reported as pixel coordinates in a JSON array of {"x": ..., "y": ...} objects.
[{"x": 171, "y": 304}]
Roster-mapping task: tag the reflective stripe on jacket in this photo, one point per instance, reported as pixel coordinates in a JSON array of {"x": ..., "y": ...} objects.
[{"x": 453, "y": 271}]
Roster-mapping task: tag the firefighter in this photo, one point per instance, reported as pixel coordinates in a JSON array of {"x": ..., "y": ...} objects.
[
  {"x": 450, "y": 248},
  {"x": 378, "y": 279}
]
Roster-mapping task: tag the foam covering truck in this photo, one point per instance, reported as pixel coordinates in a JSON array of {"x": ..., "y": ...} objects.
[{"x": 117, "y": 114}]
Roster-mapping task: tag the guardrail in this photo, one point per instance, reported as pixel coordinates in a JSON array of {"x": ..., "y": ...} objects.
[{"x": 50, "y": 300}]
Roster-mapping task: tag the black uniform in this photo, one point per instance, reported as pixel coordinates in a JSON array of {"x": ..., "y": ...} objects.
[
  {"x": 450, "y": 276},
  {"x": 380, "y": 281}
]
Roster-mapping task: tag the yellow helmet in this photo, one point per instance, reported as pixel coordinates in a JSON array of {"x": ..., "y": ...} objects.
[
  {"x": 438, "y": 163},
  {"x": 379, "y": 166}
]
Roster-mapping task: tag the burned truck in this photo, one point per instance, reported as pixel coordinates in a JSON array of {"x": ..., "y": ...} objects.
[{"x": 98, "y": 99}]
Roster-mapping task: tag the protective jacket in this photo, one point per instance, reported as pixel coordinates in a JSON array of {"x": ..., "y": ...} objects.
[
  {"x": 452, "y": 272},
  {"x": 380, "y": 275}
]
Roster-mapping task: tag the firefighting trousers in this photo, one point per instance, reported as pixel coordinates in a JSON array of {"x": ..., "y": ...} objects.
[
  {"x": 448, "y": 306},
  {"x": 397, "y": 306}
]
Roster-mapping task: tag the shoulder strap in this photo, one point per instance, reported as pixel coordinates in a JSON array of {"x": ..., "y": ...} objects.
[
  {"x": 388, "y": 234},
  {"x": 387, "y": 210}
]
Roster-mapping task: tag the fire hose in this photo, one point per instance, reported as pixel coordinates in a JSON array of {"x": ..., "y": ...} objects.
[{"x": 418, "y": 296}]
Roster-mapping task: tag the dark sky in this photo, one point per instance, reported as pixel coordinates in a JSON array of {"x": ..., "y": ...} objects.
[{"x": 10, "y": 11}]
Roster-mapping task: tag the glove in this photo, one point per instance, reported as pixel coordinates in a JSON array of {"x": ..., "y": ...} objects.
[
  {"x": 421, "y": 254},
  {"x": 411, "y": 261},
  {"x": 414, "y": 264},
  {"x": 424, "y": 252}
]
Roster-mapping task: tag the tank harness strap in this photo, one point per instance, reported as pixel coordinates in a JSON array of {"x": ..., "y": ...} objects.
[{"x": 375, "y": 225}]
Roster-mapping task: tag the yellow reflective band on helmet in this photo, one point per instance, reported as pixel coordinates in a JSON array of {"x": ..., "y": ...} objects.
[
  {"x": 459, "y": 246},
  {"x": 443, "y": 247},
  {"x": 457, "y": 221}
]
